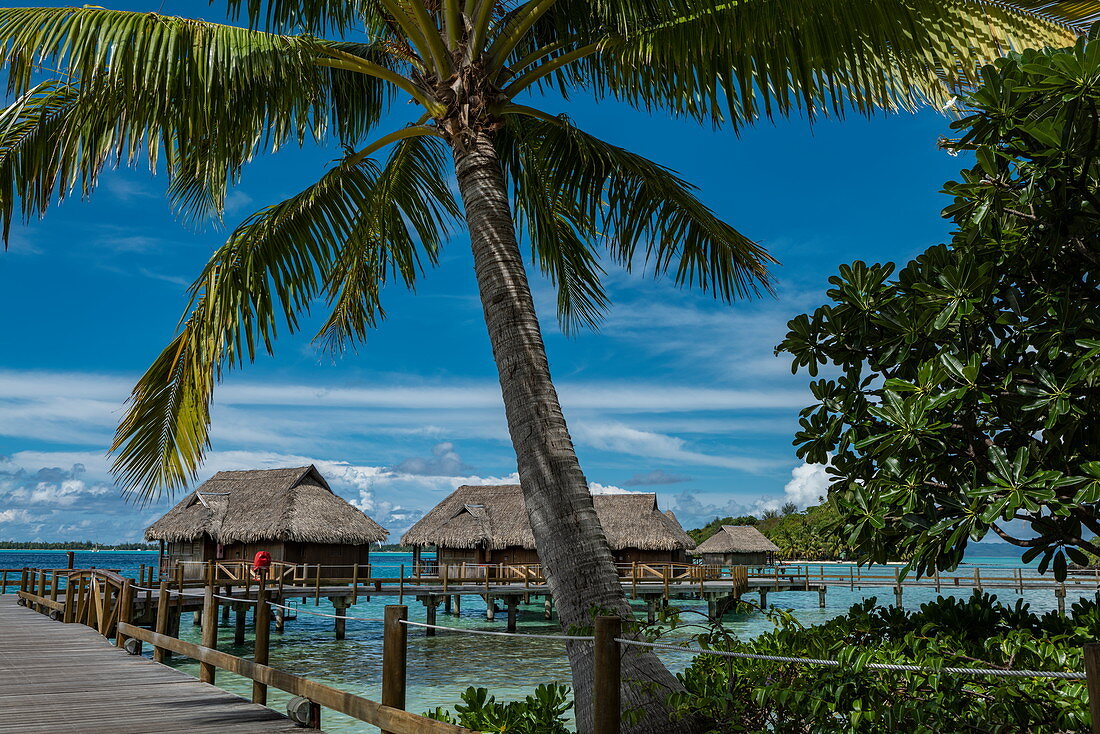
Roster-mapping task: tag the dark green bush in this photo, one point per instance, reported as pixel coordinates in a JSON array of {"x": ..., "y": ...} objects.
[
  {"x": 741, "y": 695},
  {"x": 540, "y": 713}
]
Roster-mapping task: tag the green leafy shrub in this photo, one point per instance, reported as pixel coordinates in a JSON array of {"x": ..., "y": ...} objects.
[
  {"x": 740, "y": 695},
  {"x": 540, "y": 713}
]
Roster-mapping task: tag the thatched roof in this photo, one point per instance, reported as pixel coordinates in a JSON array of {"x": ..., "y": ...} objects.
[
  {"x": 496, "y": 517},
  {"x": 266, "y": 505},
  {"x": 737, "y": 539}
]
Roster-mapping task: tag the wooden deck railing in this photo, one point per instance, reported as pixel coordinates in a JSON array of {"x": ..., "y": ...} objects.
[{"x": 105, "y": 601}]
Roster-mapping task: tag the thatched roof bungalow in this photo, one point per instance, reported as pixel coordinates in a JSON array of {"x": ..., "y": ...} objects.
[
  {"x": 291, "y": 513},
  {"x": 737, "y": 545},
  {"x": 490, "y": 525}
]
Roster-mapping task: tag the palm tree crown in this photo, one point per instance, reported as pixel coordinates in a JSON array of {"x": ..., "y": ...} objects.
[{"x": 201, "y": 100}]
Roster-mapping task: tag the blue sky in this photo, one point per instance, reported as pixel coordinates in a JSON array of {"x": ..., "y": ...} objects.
[{"x": 676, "y": 394}]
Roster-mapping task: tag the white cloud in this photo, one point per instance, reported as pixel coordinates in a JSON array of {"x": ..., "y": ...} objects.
[
  {"x": 444, "y": 461},
  {"x": 597, "y": 488},
  {"x": 237, "y": 201},
  {"x": 16, "y": 516},
  {"x": 624, "y": 439},
  {"x": 656, "y": 477},
  {"x": 809, "y": 483}
]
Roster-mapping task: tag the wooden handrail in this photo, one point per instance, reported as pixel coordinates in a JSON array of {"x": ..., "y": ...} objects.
[{"x": 386, "y": 717}]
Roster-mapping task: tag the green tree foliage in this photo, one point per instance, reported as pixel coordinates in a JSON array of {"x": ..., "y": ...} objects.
[
  {"x": 75, "y": 545},
  {"x": 965, "y": 396},
  {"x": 808, "y": 535},
  {"x": 741, "y": 695},
  {"x": 712, "y": 527},
  {"x": 543, "y": 712},
  {"x": 811, "y": 535}
]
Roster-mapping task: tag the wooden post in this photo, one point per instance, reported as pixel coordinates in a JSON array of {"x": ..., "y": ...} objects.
[
  {"x": 53, "y": 586},
  {"x": 665, "y": 575},
  {"x": 401, "y": 585},
  {"x": 209, "y": 630},
  {"x": 226, "y": 608},
  {"x": 69, "y": 558},
  {"x": 429, "y": 607},
  {"x": 340, "y": 605},
  {"x": 355, "y": 585},
  {"x": 606, "y": 684},
  {"x": 1092, "y": 680},
  {"x": 394, "y": 652},
  {"x": 81, "y": 599},
  {"x": 263, "y": 638},
  {"x": 70, "y": 601},
  {"x": 40, "y": 587},
  {"x": 634, "y": 579},
  {"x": 163, "y": 602},
  {"x": 978, "y": 578},
  {"x": 317, "y": 591},
  {"x": 821, "y": 596},
  {"x": 125, "y": 610},
  {"x": 513, "y": 612},
  {"x": 240, "y": 610}
]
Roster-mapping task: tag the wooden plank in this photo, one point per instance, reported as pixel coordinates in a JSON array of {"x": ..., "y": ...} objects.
[
  {"x": 386, "y": 717},
  {"x": 67, "y": 678}
]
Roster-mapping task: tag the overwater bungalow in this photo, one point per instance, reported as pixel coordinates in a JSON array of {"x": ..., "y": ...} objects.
[
  {"x": 737, "y": 545},
  {"x": 292, "y": 514},
  {"x": 478, "y": 525}
]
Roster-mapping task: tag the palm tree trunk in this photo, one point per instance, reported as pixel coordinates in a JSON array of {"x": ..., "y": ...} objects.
[{"x": 579, "y": 568}]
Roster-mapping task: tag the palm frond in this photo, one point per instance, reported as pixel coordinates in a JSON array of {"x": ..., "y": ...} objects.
[
  {"x": 201, "y": 97},
  {"x": 355, "y": 223},
  {"x": 560, "y": 231},
  {"x": 307, "y": 16},
  {"x": 739, "y": 61},
  {"x": 411, "y": 208},
  {"x": 576, "y": 187}
]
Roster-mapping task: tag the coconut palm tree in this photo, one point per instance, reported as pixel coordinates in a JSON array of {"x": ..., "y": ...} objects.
[{"x": 96, "y": 87}]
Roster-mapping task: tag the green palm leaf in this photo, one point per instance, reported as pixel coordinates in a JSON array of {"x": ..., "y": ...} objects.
[
  {"x": 200, "y": 97},
  {"x": 350, "y": 225},
  {"x": 738, "y": 61},
  {"x": 572, "y": 188}
]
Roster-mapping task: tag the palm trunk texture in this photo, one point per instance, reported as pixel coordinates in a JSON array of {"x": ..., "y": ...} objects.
[{"x": 579, "y": 568}]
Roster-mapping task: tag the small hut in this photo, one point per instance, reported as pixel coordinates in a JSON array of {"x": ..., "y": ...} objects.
[
  {"x": 737, "y": 545},
  {"x": 490, "y": 525},
  {"x": 292, "y": 514}
]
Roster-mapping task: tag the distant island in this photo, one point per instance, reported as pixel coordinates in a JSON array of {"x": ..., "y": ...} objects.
[{"x": 74, "y": 545}]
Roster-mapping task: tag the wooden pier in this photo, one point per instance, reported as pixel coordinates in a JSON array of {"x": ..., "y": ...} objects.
[{"x": 68, "y": 678}]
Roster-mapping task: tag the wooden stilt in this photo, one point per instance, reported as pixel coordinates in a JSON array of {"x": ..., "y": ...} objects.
[
  {"x": 239, "y": 622},
  {"x": 263, "y": 638},
  {"x": 340, "y": 604},
  {"x": 429, "y": 604},
  {"x": 513, "y": 613}
]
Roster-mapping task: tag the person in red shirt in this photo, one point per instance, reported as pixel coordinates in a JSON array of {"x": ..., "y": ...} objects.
[{"x": 260, "y": 563}]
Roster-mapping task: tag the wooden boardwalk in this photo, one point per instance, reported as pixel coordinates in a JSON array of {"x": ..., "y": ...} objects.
[{"x": 58, "y": 677}]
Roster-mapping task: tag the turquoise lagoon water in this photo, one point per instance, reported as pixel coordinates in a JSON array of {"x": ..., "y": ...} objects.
[{"x": 442, "y": 667}]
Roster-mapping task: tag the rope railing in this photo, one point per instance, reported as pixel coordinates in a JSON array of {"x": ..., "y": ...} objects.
[
  {"x": 300, "y": 610},
  {"x": 1008, "y": 672},
  {"x": 489, "y": 633}
]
